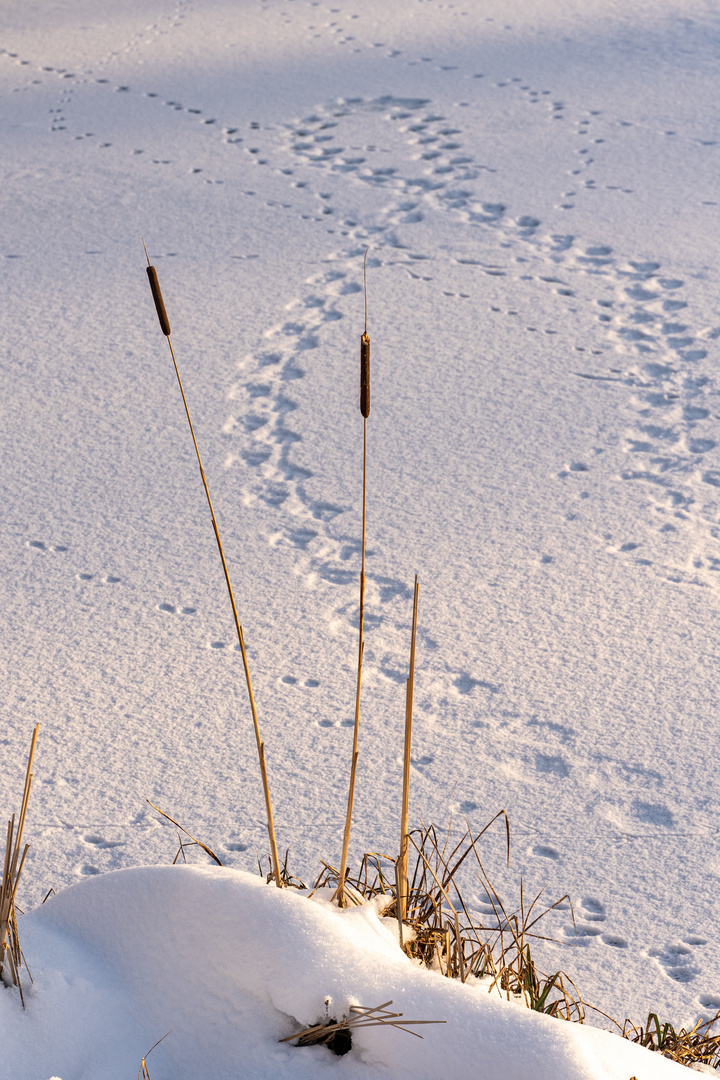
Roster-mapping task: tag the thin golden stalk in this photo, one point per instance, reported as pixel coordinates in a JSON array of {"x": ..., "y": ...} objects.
[
  {"x": 403, "y": 860},
  {"x": 365, "y": 410},
  {"x": 165, "y": 327},
  {"x": 10, "y": 951}
]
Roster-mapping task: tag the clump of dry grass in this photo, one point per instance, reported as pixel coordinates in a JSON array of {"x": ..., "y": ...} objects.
[
  {"x": 11, "y": 955},
  {"x": 438, "y": 929},
  {"x": 696, "y": 1046}
]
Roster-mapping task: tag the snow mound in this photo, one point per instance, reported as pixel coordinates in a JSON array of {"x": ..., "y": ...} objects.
[{"x": 231, "y": 966}]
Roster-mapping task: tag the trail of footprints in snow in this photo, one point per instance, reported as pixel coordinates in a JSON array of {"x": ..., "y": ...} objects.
[
  {"x": 42, "y": 547},
  {"x": 640, "y": 309},
  {"x": 671, "y": 390},
  {"x": 677, "y": 959},
  {"x": 640, "y": 313}
]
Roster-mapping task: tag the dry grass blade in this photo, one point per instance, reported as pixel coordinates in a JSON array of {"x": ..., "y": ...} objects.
[
  {"x": 143, "y": 1073},
  {"x": 459, "y": 959},
  {"x": 199, "y": 843},
  {"x": 11, "y": 956},
  {"x": 289, "y": 880}
]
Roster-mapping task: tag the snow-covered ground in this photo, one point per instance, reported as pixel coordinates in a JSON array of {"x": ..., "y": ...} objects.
[
  {"x": 537, "y": 186},
  {"x": 230, "y": 966}
]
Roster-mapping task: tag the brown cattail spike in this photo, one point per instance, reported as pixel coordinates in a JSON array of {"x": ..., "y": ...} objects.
[
  {"x": 157, "y": 297},
  {"x": 365, "y": 354},
  {"x": 365, "y": 375}
]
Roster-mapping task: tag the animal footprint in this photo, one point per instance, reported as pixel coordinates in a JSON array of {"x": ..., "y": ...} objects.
[
  {"x": 675, "y": 959},
  {"x": 101, "y": 842},
  {"x": 615, "y": 941},
  {"x": 594, "y": 910},
  {"x": 40, "y": 545},
  {"x": 544, "y": 851}
]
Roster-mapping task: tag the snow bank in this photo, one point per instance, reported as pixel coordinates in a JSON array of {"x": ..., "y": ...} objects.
[{"x": 231, "y": 966}]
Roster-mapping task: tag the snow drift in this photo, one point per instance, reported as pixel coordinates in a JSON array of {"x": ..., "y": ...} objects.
[{"x": 230, "y": 966}]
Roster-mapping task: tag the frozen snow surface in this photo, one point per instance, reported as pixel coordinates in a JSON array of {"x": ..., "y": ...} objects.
[{"x": 537, "y": 188}]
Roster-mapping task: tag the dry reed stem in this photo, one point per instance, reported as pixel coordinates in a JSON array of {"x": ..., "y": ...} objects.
[
  {"x": 165, "y": 327},
  {"x": 403, "y": 859},
  {"x": 13, "y": 863}
]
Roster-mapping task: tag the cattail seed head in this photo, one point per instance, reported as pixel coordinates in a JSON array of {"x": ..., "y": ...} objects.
[
  {"x": 365, "y": 375},
  {"x": 157, "y": 297}
]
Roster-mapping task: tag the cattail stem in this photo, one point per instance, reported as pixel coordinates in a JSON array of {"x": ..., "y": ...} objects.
[
  {"x": 403, "y": 859},
  {"x": 165, "y": 326},
  {"x": 361, "y": 649},
  {"x": 365, "y": 410}
]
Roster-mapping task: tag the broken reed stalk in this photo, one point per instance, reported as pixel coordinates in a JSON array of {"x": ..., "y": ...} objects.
[
  {"x": 361, "y": 1016},
  {"x": 403, "y": 859},
  {"x": 165, "y": 327},
  {"x": 13, "y": 864},
  {"x": 365, "y": 410}
]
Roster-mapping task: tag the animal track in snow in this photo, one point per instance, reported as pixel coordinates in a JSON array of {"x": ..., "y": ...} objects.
[
  {"x": 420, "y": 163},
  {"x": 43, "y": 546},
  {"x": 676, "y": 960},
  {"x": 545, "y": 851},
  {"x": 100, "y": 842}
]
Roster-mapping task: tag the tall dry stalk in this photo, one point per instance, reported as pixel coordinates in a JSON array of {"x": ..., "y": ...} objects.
[
  {"x": 365, "y": 410},
  {"x": 402, "y": 884},
  {"x": 165, "y": 327},
  {"x": 13, "y": 863}
]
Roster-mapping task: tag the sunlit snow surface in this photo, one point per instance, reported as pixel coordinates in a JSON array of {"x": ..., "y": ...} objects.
[
  {"x": 230, "y": 966},
  {"x": 537, "y": 187}
]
